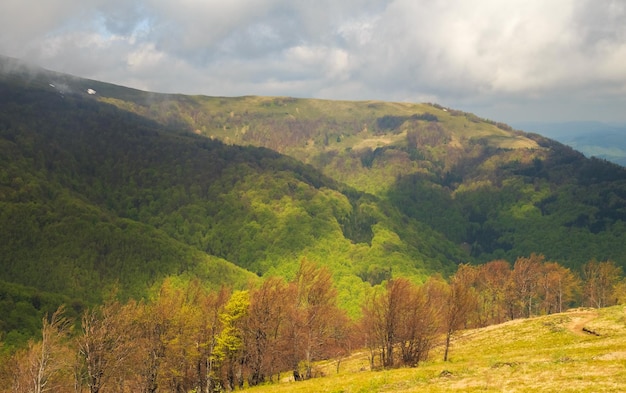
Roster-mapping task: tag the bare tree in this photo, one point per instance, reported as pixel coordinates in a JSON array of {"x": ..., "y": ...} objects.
[
  {"x": 266, "y": 320},
  {"x": 492, "y": 281},
  {"x": 314, "y": 318},
  {"x": 211, "y": 306},
  {"x": 399, "y": 318},
  {"x": 106, "y": 344},
  {"x": 600, "y": 280},
  {"x": 557, "y": 287},
  {"x": 524, "y": 280},
  {"x": 381, "y": 314},
  {"x": 460, "y": 302},
  {"x": 45, "y": 365},
  {"x": 418, "y": 327}
]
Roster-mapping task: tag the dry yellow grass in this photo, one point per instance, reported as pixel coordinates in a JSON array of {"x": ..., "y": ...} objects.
[{"x": 547, "y": 354}]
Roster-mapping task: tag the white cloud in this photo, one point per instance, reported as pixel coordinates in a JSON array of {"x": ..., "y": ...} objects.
[{"x": 145, "y": 57}]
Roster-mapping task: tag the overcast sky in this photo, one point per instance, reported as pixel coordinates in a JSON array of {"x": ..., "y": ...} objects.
[{"x": 507, "y": 60}]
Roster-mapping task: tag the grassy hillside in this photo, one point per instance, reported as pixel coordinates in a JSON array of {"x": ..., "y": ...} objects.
[{"x": 548, "y": 354}]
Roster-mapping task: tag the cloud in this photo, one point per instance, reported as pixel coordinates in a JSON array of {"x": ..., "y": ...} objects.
[{"x": 477, "y": 55}]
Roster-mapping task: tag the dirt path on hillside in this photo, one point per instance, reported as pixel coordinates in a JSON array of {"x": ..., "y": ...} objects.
[{"x": 579, "y": 320}]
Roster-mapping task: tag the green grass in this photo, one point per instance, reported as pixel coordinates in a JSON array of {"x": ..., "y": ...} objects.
[{"x": 548, "y": 353}]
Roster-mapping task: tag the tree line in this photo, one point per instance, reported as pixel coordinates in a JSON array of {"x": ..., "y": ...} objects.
[{"x": 187, "y": 338}]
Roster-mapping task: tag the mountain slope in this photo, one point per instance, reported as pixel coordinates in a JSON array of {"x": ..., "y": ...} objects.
[
  {"x": 497, "y": 192},
  {"x": 104, "y": 184},
  {"x": 95, "y": 197}
]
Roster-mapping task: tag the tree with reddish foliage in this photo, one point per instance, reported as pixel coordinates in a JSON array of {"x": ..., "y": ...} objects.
[
  {"x": 266, "y": 319},
  {"x": 400, "y": 318},
  {"x": 418, "y": 327},
  {"x": 381, "y": 314},
  {"x": 314, "y": 320}
]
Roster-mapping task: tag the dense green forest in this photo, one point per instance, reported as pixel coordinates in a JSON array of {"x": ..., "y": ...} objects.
[
  {"x": 113, "y": 192},
  {"x": 96, "y": 199},
  {"x": 498, "y": 192}
]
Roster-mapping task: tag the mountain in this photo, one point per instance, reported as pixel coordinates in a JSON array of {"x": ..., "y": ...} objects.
[
  {"x": 97, "y": 199},
  {"x": 594, "y": 139},
  {"x": 492, "y": 191},
  {"x": 106, "y": 189}
]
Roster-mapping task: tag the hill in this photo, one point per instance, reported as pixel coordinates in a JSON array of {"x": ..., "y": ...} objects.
[
  {"x": 96, "y": 199},
  {"x": 105, "y": 189},
  {"x": 549, "y": 354},
  {"x": 493, "y": 191}
]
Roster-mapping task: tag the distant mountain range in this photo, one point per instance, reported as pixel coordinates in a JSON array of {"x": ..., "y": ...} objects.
[{"x": 594, "y": 139}]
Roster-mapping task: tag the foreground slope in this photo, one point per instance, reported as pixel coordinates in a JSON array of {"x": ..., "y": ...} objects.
[{"x": 549, "y": 354}]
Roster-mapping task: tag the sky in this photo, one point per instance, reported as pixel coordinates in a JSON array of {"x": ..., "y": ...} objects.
[{"x": 506, "y": 60}]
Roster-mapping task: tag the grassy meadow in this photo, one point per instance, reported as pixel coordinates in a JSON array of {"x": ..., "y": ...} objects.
[{"x": 548, "y": 353}]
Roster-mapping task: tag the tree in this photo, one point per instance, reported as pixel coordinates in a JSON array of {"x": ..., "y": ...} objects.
[
  {"x": 267, "y": 317},
  {"x": 229, "y": 343},
  {"x": 492, "y": 282},
  {"x": 211, "y": 306},
  {"x": 177, "y": 336},
  {"x": 557, "y": 287},
  {"x": 399, "y": 318},
  {"x": 314, "y": 319},
  {"x": 153, "y": 323},
  {"x": 418, "y": 326},
  {"x": 179, "y": 368},
  {"x": 381, "y": 315},
  {"x": 106, "y": 344},
  {"x": 524, "y": 279},
  {"x": 459, "y": 301},
  {"x": 43, "y": 366},
  {"x": 600, "y": 280}
]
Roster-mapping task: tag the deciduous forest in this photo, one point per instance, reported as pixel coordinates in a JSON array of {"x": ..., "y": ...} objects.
[
  {"x": 187, "y": 338},
  {"x": 153, "y": 242}
]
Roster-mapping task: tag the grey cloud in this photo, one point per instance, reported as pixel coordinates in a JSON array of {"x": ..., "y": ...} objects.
[{"x": 122, "y": 17}]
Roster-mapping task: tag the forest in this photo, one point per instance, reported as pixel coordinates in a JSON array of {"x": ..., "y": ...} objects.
[
  {"x": 187, "y": 338},
  {"x": 227, "y": 210}
]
